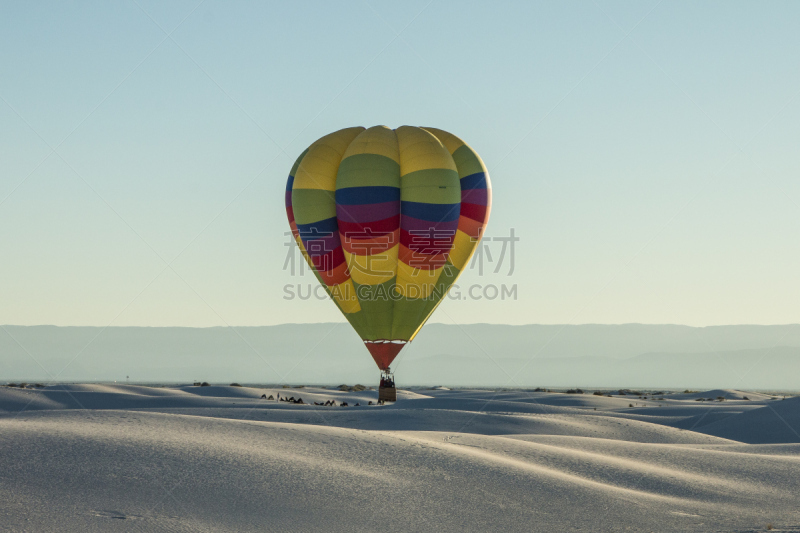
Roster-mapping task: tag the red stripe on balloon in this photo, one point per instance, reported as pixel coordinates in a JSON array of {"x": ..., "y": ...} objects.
[
  {"x": 368, "y": 230},
  {"x": 374, "y": 246},
  {"x": 474, "y": 211},
  {"x": 328, "y": 261},
  {"x": 428, "y": 243}
]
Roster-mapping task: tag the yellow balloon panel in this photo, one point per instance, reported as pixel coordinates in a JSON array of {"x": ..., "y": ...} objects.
[
  {"x": 372, "y": 269},
  {"x": 318, "y": 168},
  {"x": 378, "y": 140},
  {"x": 416, "y": 282},
  {"x": 419, "y": 150},
  {"x": 345, "y": 296}
]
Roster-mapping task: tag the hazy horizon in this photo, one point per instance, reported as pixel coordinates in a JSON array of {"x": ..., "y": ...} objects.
[
  {"x": 627, "y": 355},
  {"x": 431, "y": 322}
]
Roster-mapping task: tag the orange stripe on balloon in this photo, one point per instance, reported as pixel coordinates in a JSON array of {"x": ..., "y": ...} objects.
[
  {"x": 337, "y": 275},
  {"x": 471, "y": 227}
]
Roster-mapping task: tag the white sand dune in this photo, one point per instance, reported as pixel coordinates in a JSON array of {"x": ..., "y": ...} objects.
[
  {"x": 777, "y": 421},
  {"x": 132, "y": 458},
  {"x": 728, "y": 394}
]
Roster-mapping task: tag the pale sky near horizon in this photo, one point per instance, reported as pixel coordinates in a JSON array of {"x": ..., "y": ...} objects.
[{"x": 645, "y": 153}]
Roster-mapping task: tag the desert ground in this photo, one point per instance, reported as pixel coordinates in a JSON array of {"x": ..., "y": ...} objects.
[{"x": 218, "y": 458}]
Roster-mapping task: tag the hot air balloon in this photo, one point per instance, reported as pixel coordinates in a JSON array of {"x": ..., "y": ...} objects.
[{"x": 387, "y": 220}]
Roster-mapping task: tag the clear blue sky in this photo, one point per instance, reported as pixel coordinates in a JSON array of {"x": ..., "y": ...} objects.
[{"x": 645, "y": 153}]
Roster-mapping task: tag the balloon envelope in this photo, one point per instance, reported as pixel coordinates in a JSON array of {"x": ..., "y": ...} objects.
[{"x": 387, "y": 220}]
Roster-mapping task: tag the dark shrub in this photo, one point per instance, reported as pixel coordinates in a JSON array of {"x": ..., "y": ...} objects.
[
  {"x": 205, "y": 384},
  {"x": 235, "y": 385}
]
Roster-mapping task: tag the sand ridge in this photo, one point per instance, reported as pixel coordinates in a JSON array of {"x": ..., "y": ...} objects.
[{"x": 136, "y": 458}]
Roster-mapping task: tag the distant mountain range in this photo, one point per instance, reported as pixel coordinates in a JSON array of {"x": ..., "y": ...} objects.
[{"x": 591, "y": 355}]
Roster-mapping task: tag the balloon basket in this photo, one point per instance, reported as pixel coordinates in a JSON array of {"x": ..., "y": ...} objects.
[
  {"x": 387, "y": 394},
  {"x": 387, "y": 391}
]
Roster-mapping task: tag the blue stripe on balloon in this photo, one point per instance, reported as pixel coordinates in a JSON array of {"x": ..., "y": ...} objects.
[
  {"x": 290, "y": 183},
  {"x": 367, "y": 195},
  {"x": 474, "y": 181},
  {"x": 430, "y": 212},
  {"x": 318, "y": 229}
]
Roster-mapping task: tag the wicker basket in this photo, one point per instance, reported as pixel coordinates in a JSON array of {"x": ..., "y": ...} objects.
[{"x": 387, "y": 394}]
